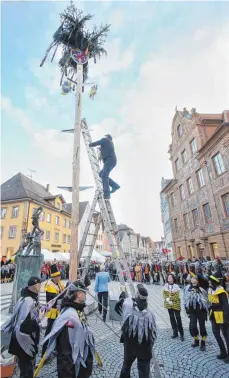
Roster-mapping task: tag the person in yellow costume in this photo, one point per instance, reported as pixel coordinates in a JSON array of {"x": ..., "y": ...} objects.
[
  {"x": 219, "y": 315},
  {"x": 53, "y": 287}
]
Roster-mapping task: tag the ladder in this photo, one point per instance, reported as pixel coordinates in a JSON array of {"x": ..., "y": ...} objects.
[{"x": 107, "y": 217}]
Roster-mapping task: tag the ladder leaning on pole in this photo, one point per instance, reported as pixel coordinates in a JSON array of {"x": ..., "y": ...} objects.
[{"x": 107, "y": 217}]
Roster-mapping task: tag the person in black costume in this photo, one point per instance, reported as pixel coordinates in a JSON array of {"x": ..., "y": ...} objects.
[
  {"x": 138, "y": 337},
  {"x": 24, "y": 328},
  {"x": 196, "y": 305},
  {"x": 219, "y": 315},
  {"x": 110, "y": 161}
]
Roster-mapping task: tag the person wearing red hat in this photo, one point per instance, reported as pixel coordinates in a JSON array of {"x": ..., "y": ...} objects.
[{"x": 109, "y": 160}]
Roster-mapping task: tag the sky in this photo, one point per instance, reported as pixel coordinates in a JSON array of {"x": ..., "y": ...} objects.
[{"x": 160, "y": 55}]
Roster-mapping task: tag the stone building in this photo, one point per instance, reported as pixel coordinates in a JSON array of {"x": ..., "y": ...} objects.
[{"x": 198, "y": 195}]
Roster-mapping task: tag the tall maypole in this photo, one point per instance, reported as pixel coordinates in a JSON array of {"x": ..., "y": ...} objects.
[{"x": 78, "y": 45}]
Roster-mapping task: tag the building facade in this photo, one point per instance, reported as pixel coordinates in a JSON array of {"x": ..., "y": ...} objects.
[
  {"x": 198, "y": 195},
  {"x": 166, "y": 221},
  {"x": 20, "y": 196}
]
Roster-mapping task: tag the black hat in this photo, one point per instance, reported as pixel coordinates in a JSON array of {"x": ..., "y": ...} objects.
[
  {"x": 33, "y": 281},
  {"x": 79, "y": 286},
  {"x": 142, "y": 293},
  {"x": 108, "y": 136},
  {"x": 54, "y": 271},
  {"x": 215, "y": 278}
]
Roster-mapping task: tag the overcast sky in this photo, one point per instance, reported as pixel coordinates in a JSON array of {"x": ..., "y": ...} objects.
[{"x": 160, "y": 55}]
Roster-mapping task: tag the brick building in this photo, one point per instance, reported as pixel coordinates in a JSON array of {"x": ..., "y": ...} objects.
[{"x": 198, "y": 195}]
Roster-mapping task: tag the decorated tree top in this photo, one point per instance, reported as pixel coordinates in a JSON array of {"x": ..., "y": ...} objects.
[{"x": 78, "y": 43}]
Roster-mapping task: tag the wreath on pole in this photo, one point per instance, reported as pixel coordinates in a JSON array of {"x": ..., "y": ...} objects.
[{"x": 77, "y": 42}]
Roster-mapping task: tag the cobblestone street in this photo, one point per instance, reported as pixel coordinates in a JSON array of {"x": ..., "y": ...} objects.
[{"x": 176, "y": 359}]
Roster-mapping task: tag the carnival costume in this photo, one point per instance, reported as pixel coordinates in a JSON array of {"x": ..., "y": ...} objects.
[
  {"x": 138, "y": 332},
  {"x": 72, "y": 337},
  {"x": 196, "y": 306},
  {"x": 219, "y": 315},
  {"x": 24, "y": 329},
  {"x": 52, "y": 289},
  {"x": 171, "y": 294}
]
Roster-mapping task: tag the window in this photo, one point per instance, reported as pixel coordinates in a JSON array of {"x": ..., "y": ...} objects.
[
  {"x": 42, "y": 237},
  {"x": 12, "y": 232},
  {"x": 58, "y": 205},
  {"x": 200, "y": 178},
  {"x": 218, "y": 163},
  {"x": 179, "y": 253},
  {"x": 193, "y": 145},
  {"x": 65, "y": 223},
  {"x": 69, "y": 239},
  {"x": 177, "y": 164},
  {"x": 195, "y": 217},
  {"x": 190, "y": 185},
  {"x": 56, "y": 236},
  {"x": 172, "y": 199},
  {"x": 15, "y": 211},
  {"x": 47, "y": 235},
  {"x": 64, "y": 238},
  {"x": 3, "y": 212},
  {"x": 176, "y": 225},
  {"x": 185, "y": 221},
  {"x": 49, "y": 218},
  {"x": 69, "y": 224},
  {"x": 184, "y": 156},
  {"x": 214, "y": 250},
  {"x": 57, "y": 220},
  {"x": 42, "y": 216},
  {"x": 179, "y": 130},
  {"x": 225, "y": 199},
  {"x": 1, "y": 232},
  {"x": 207, "y": 213},
  {"x": 182, "y": 193}
]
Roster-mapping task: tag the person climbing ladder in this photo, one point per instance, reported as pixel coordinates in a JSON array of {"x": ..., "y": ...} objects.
[{"x": 109, "y": 162}]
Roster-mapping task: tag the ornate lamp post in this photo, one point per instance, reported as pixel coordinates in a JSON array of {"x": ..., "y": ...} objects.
[{"x": 78, "y": 45}]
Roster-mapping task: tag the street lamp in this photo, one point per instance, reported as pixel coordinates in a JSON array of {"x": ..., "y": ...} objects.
[{"x": 78, "y": 45}]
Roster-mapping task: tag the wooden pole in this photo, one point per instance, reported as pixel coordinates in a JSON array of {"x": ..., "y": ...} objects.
[{"x": 75, "y": 177}]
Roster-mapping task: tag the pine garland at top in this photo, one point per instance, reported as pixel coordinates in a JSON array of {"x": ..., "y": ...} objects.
[{"x": 72, "y": 34}]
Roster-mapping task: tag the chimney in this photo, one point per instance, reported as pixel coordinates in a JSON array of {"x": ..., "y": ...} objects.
[{"x": 47, "y": 187}]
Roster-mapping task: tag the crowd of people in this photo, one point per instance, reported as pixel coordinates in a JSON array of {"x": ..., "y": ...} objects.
[
  {"x": 7, "y": 270},
  {"x": 69, "y": 334}
]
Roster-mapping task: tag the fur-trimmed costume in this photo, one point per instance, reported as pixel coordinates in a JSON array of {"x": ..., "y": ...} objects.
[
  {"x": 138, "y": 333},
  {"x": 25, "y": 330},
  {"x": 196, "y": 306},
  {"x": 73, "y": 340}
]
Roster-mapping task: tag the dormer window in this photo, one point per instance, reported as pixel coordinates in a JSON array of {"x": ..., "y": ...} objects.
[{"x": 179, "y": 130}]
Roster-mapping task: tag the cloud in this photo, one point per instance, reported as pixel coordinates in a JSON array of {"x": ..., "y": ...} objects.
[
  {"x": 17, "y": 114},
  {"x": 116, "y": 19},
  {"x": 191, "y": 75}
]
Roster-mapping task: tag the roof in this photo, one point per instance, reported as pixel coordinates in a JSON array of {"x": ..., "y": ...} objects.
[
  {"x": 21, "y": 187},
  {"x": 123, "y": 228},
  {"x": 165, "y": 182},
  {"x": 83, "y": 205}
]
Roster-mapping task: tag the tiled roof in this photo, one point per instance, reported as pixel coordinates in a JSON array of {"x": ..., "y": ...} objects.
[{"x": 21, "y": 187}]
